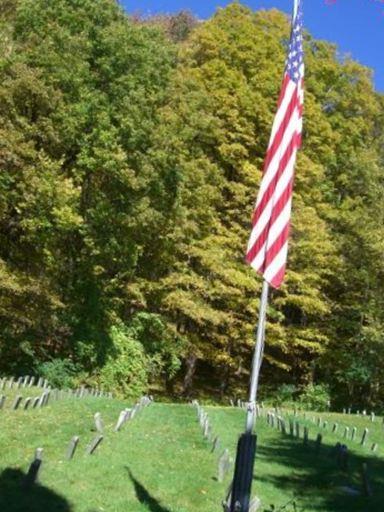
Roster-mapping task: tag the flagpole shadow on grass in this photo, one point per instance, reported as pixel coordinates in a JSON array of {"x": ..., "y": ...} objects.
[{"x": 144, "y": 497}]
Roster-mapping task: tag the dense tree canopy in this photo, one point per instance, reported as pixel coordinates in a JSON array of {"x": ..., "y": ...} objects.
[{"x": 130, "y": 156}]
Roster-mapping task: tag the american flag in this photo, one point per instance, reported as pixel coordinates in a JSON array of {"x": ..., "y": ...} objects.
[{"x": 268, "y": 244}]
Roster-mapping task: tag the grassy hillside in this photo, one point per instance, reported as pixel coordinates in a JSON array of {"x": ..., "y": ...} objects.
[{"x": 160, "y": 462}]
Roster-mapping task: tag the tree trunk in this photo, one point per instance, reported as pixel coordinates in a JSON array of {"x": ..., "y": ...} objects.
[{"x": 189, "y": 374}]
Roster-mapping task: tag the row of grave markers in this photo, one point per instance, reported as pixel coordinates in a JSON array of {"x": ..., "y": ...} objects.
[
  {"x": 340, "y": 451},
  {"x": 47, "y": 395},
  {"x": 125, "y": 416},
  {"x": 23, "y": 382},
  {"x": 225, "y": 462}
]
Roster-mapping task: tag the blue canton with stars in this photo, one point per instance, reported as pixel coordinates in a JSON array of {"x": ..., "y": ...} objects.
[{"x": 295, "y": 61}]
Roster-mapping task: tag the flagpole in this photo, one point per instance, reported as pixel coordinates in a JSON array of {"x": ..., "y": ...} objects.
[{"x": 257, "y": 359}]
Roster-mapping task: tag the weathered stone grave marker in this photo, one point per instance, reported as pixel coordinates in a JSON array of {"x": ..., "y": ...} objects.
[
  {"x": 94, "y": 444},
  {"x": 364, "y": 437},
  {"x": 17, "y": 402},
  {"x": 2, "y": 401},
  {"x": 98, "y": 422},
  {"x": 346, "y": 433},
  {"x": 72, "y": 447},
  {"x": 365, "y": 480},
  {"x": 319, "y": 439},
  {"x": 224, "y": 465},
  {"x": 33, "y": 472},
  {"x": 215, "y": 444},
  {"x": 27, "y": 402},
  {"x": 353, "y": 434},
  {"x": 334, "y": 428}
]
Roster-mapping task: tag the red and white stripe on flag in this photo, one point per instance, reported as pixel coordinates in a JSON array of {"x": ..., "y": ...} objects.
[{"x": 268, "y": 244}]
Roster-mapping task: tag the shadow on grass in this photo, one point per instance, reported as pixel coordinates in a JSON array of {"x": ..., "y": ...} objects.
[
  {"x": 316, "y": 481},
  {"x": 14, "y": 497},
  {"x": 144, "y": 497}
]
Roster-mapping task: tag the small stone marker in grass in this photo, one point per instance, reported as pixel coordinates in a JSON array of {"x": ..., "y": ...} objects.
[
  {"x": 98, "y": 422},
  {"x": 353, "y": 434},
  {"x": 215, "y": 444},
  {"x": 224, "y": 465},
  {"x": 374, "y": 447},
  {"x": 291, "y": 427},
  {"x": 36, "y": 402},
  {"x": 72, "y": 447},
  {"x": 31, "y": 382},
  {"x": 325, "y": 424},
  {"x": 34, "y": 468},
  {"x": 25, "y": 381},
  {"x": 372, "y": 417},
  {"x": 364, "y": 437},
  {"x": 17, "y": 402},
  {"x": 10, "y": 382},
  {"x": 346, "y": 432},
  {"x": 27, "y": 402},
  {"x": 305, "y": 438},
  {"x": 2, "y": 401},
  {"x": 121, "y": 420},
  {"x": 255, "y": 505},
  {"x": 94, "y": 444},
  {"x": 334, "y": 428},
  {"x": 297, "y": 429},
  {"x": 318, "y": 421},
  {"x": 367, "y": 490},
  {"x": 40, "y": 382},
  {"x": 319, "y": 439}
]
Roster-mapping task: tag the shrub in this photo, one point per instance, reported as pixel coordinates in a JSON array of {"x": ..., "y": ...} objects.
[
  {"x": 126, "y": 369},
  {"x": 60, "y": 373},
  {"x": 315, "y": 398}
]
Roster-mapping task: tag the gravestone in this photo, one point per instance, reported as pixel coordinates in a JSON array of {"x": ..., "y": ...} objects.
[
  {"x": 98, "y": 422},
  {"x": 325, "y": 424},
  {"x": 372, "y": 417},
  {"x": 305, "y": 438},
  {"x": 255, "y": 505},
  {"x": 2, "y": 401},
  {"x": 72, "y": 447},
  {"x": 346, "y": 432},
  {"x": 17, "y": 402},
  {"x": 353, "y": 434},
  {"x": 297, "y": 429},
  {"x": 94, "y": 444},
  {"x": 374, "y": 447},
  {"x": 2, "y": 384},
  {"x": 291, "y": 427},
  {"x": 215, "y": 444},
  {"x": 19, "y": 382},
  {"x": 367, "y": 490},
  {"x": 231, "y": 403},
  {"x": 334, "y": 428},
  {"x": 121, "y": 420},
  {"x": 364, "y": 437},
  {"x": 319, "y": 439},
  {"x": 31, "y": 382},
  {"x": 27, "y": 402},
  {"x": 25, "y": 381},
  {"x": 40, "y": 382},
  {"x": 318, "y": 421},
  {"x": 223, "y": 466},
  {"x": 36, "y": 402},
  {"x": 10, "y": 382},
  {"x": 33, "y": 472}
]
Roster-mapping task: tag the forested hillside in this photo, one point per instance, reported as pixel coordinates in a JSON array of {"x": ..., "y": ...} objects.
[{"x": 130, "y": 156}]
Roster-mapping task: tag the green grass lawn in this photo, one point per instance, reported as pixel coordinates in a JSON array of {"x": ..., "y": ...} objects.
[{"x": 159, "y": 462}]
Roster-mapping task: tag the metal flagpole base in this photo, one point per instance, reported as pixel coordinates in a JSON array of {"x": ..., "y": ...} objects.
[{"x": 242, "y": 482}]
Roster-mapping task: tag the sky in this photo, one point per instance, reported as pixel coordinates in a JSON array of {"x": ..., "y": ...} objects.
[{"x": 356, "y": 26}]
